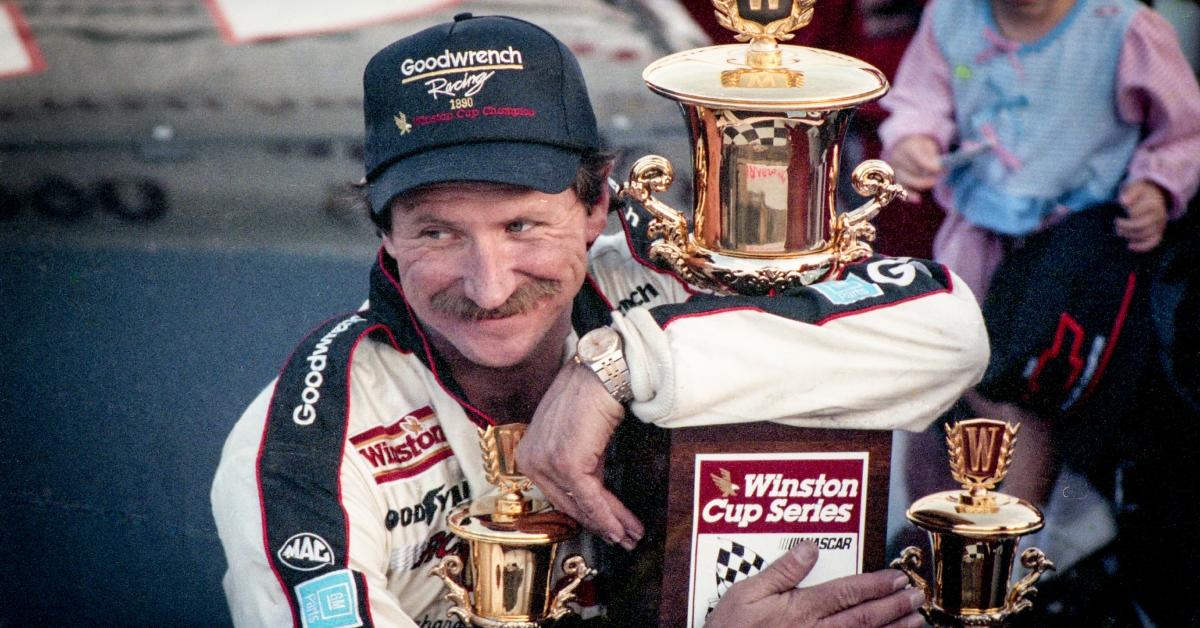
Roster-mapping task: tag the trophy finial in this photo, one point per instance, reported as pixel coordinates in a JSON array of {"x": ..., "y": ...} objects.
[
  {"x": 773, "y": 19},
  {"x": 498, "y": 444},
  {"x": 980, "y": 451}
]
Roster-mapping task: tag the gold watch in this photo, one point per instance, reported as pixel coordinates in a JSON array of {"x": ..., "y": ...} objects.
[{"x": 603, "y": 351}]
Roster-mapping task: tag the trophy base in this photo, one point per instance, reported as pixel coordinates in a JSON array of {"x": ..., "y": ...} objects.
[
  {"x": 944, "y": 619},
  {"x": 730, "y": 275}
]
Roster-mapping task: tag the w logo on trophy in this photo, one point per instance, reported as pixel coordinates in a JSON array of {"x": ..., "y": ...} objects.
[
  {"x": 980, "y": 451},
  {"x": 769, "y": 17}
]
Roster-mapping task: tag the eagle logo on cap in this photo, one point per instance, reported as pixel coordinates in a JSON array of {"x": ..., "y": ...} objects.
[{"x": 402, "y": 123}]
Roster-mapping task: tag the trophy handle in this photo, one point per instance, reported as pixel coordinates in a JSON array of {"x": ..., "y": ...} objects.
[
  {"x": 1018, "y": 598},
  {"x": 910, "y": 562},
  {"x": 448, "y": 571},
  {"x": 874, "y": 178},
  {"x": 577, "y": 567},
  {"x": 650, "y": 174}
]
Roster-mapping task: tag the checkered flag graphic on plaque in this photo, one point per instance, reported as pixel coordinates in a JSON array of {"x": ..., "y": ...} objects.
[
  {"x": 773, "y": 132},
  {"x": 734, "y": 562}
]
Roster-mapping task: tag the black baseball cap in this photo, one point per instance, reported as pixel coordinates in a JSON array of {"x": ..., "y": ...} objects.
[{"x": 492, "y": 99}]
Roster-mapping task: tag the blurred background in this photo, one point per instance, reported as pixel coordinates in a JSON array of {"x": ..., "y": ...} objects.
[{"x": 176, "y": 212}]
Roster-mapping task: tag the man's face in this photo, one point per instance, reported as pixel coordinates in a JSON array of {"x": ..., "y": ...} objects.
[{"x": 492, "y": 270}]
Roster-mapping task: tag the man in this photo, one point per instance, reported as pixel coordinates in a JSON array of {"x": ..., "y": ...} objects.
[{"x": 489, "y": 190}]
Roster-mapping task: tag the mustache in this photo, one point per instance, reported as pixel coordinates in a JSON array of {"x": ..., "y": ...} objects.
[{"x": 523, "y": 299}]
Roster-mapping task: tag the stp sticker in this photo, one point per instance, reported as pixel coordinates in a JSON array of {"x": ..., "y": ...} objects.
[{"x": 750, "y": 509}]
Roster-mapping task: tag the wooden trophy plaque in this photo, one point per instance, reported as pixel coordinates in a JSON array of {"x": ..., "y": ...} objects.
[{"x": 740, "y": 496}]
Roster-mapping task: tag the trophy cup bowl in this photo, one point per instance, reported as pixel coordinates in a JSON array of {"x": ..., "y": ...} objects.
[
  {"x": 974, "y": 534},
  {"x": 513, "y": 544},
  {"x": 766, "y": 124}
]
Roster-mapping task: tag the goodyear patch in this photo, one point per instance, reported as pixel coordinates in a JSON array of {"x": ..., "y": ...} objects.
[
  {"x": 852, "y": 289},
  {"x": 329, "y": 601}
]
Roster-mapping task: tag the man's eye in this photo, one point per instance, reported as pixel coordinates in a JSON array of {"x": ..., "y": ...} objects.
[
  {"x": 435, "y": 234},
  {"x": 519, "y": 226}
]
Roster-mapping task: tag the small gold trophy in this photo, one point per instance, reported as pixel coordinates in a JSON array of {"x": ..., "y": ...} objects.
[
  {"x": 513, "y": 541},
  {"x": 974, "y": 533},
  {"x": 766, "y": 124}
]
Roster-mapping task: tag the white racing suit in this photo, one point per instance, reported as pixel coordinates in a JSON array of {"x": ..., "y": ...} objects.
[{"x": 333, "y": 488}]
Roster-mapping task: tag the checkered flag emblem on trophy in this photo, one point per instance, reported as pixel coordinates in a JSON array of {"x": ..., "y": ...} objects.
[
  {"x": 974, "y": 552},
  {"x": 734, "y": 562},
  {"x": 772, "y": 132}
]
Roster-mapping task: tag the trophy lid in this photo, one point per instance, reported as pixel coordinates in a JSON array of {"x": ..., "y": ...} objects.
[
  {"x": 944, "y": 513},
  {"x": 807, "y": 79},
  {"x": 484, "y": 520},
  {"x": 763, "y": 75}
]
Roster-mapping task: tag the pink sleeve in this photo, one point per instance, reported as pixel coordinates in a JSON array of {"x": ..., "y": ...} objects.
[
  {"x": 920, "y": 101},
  {"x": 1157, "y": 89}
]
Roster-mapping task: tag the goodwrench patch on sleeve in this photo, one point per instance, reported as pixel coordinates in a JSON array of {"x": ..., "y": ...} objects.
[{"x": 305, "y": 528}]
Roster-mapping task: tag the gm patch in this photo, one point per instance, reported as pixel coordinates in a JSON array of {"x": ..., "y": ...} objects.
[
  {"x": 330, "y": 601},
  {"x": 849, "y": 290}
]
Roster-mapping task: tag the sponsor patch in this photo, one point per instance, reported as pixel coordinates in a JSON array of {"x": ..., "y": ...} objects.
[
  {"x": 750, "y": 509},
  {"x": 852, "y": 289},
  {"x": 640, "y": 296},
  {"x": 330, "y": 601},
  {"x": 305, "y": 552},
  {"x": 437, "y": 546},
  {"x": 435, "y": 502},
  {"x": 405, "y": 448}
]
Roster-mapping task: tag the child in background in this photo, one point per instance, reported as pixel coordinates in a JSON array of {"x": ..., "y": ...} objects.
[
  {"x": 1016, "y": 113},
  {"x": 1054, "y": 106}
]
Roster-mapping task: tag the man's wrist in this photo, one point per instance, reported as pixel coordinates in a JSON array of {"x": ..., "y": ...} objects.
[{"x": 602, "y": 351}]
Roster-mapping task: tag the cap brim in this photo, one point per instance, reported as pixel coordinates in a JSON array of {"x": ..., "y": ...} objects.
[{"x": 542, "y": 167}]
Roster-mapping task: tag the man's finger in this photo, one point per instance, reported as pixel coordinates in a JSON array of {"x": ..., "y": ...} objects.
[
  {"x": 597, "y": 510},
  {"x": 835, "y": 596},
  {"x": 782, "y": 575},
  {"x": 897, "y": 607},
  {"x": 559, "y": 498},
  {"x": 634, "y": 530},
  {"x": 912, "y": 621}
]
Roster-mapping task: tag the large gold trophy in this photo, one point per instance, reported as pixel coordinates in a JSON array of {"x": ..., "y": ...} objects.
[
  {"x": 974, "y": 534},
  {"x": 766, "y": 123},
  {"x": 513, "y": 544}
]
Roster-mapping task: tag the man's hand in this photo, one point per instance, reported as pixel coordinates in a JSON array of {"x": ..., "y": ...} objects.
[
  {"x": 1145, "y": 215},
  {"x": 770, "y": 598},
  {"x": 563, "y": 453},
  {"x": 917, "y": 162}
]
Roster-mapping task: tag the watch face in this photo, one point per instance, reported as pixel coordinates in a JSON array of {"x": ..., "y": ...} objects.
[{"x": 596, "y": 343}]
